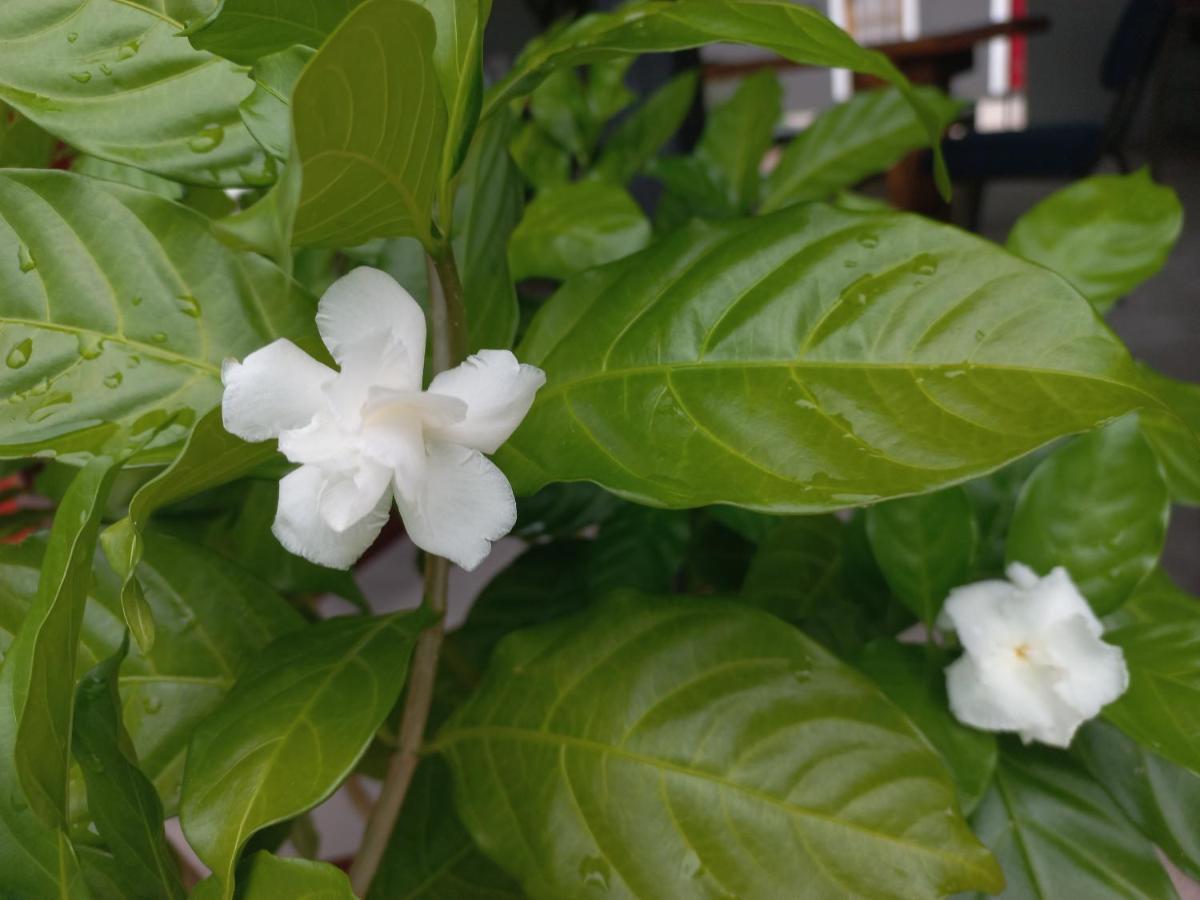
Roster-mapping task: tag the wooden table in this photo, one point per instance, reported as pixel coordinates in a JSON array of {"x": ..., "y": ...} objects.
[{"x": 930, "y": 59}]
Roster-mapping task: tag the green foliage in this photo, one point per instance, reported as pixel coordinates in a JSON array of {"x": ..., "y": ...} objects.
[
  {"x": 1106, "y": 234},
  {"x": 267, "y": 110},
  {"x": 247, "y": 30},
  {"x": 268, "y": 877},
  {"x": 737, "y": 136},
  {"x": 1173, "y": 433},
  {"x": 643, "y": 132}
]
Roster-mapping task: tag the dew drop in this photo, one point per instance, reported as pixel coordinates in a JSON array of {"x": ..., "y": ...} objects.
[
  {"x": 40, "y": 388},
  {"x": 72, "y": 37},
  {"x": 25, "y": 259},
  {"x": 17, "y": 801},
  {"x": 189, "y": 306},
  {"x": 54, "y": 403},
  {"x": 926, "y": 265},
  {"x": 90, "y": 346},
  {"x": 159, "y": 337},
  {"x": 46, "y": 454},
  {"x": 129, "y": 49},
  {"x": 19, "y": 355},
  {"x": 595, "y": 872},
  {"x": 135, "y": 361},
  {"x": 106, "y": 68},
  {"x": 152, "y": 704},
  {"x": 979, "y": 335},
  {"x": 208, "y": 139},
  {"x": 955, "y": 373},
  {"x": 114, "y": 380},
  {"x": 136, "y": 301},
  {"x": 92, "y": 762},
  {"x": 850, "y": 263},
  {"x": 82, "y": 77},
  {"x": 870, "y": 241},
  {"x": 690, "y": 867}
]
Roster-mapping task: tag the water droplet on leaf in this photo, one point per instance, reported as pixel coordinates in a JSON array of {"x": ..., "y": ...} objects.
[
  {"x": 114, "y": 380},
  {"x": 189, "y": 306},
  {"x": 106, "y": 68},
  {"x": 54, "y": 403},
  {"x": 870, "y": 241},
  {"x": 82, "y": 77},
  {"x": 159, "y": 337},
  {"x": 152, "y": 704},
  {"x": 208, "y": 139},
  {"x": 136, "y": 301},
  {"x": 595, "y": 872},
  {"x": 850, "y": 264},
  {"x": 25, "y": 259},
  {"x": 19, "y": 355},
  {"x": 926, "y": 265},
  {"x": 690, "y": 867},
  {"x": 129, "y": 49},
  {"x": 72, "y": 37},
  {"x": 90, "y": 346}
]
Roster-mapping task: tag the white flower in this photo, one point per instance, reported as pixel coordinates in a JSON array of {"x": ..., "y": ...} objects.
[
  {"x": 1034, "y": 661},
  {"x": 369, "y": 432}
]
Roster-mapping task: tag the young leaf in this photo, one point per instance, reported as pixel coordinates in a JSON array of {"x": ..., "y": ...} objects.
[
  {"x": 642, "y": 133},
  {"x": 114, "y": 80},
  {"x": 1058, "y": 834},
  {"x": 1161, "y": 799},
  {"x": 554, "y": 241},
  {"x": 913, "y": 678},
  {"x": 558, "y": 107},
  {"x": 1173, "y": 434},
  {"x": 1105, "y": 234},
  {"x": 292, "y": 728},
  {"x": 852, "y": 141},
  {"x": 808, "y": 360},
  {"x": 1098, "y": 506},
  {"x": 98, "y": 331},
  {"x": 715, "y": 728},
  {"x": 542, "y": 163},
  {"x": 267, "y": 110},
  {"x": 738, "y": 134},
  {"x": 925, "y": 546},
  {"x": 370, "y": 123},
  {"x": 121, "y": 800},
  {"x": 44, "y": 665},
  {"x": 247, "y": 30}
]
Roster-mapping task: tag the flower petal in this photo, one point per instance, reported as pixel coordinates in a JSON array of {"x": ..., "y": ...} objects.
[
  {"x": 272, "y": 390},
  {"x": 978, "y": 613},
  {"x": 1010, "y": 695},
  {"x": 302, "y": 529},
  {"x": 498, "y": 392},
  {"x": 351, "y": 496},
  {"x": 368, "y": 305},
  {"x": 463, "y": 505},
  {"x": 1096, "y": 674}
]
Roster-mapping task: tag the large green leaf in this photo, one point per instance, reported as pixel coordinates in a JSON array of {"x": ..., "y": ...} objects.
[
  {"x": 247, "y": 30},
  {"x": 119, "y": 307},
  {"x": 431, "y": 856},
  {"x": 270, "y": 877},
  {"x": 370, "y": 122},
  {"x": 925, "y": 546},
  {"x": 807, "y": 360},
  {"x": 1157, "y": 600},
  {"x": 112, "y": 79},
  {"x": 749, "y": 763},
  {"x": 554, "y": 241},
  {"x": 642, "y": 133},
  {"x": 792, "y": 30},
  {"x": 1058, "y": 834},
  {"x": 850, "y": 142},
  {"x": 1098, "y": 506},
  {"x": 292, "y": 728},
  {"x": 121, "y": 799},
  {"x": 1105, "y": 234},
  {"x": 1161, "y": 799},
  {"x": 913, "y": 679},
  {"x": 1173, "y": 434},
  {"x": 738, "y": 134},
  {"x": 638, "y": 547},
  {"x": 1161, "y": 709}
]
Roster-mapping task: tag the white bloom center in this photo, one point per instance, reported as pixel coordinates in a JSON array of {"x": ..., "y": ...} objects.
[
  {"x": 1034, "y": 661},
  {"x": 368, "y": 432}
]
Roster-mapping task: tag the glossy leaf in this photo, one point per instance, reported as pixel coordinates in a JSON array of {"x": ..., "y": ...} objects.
[
  {"x": 270, "y": 877},
  {"x": 1161, "y": 709},
  {"x": 563, "y": 510},
  {"x": 1105, "y": 234},
  {"x": 1098, "y": 506},
  {"x": 291, "y": 730},
  {"x": 798, "y": 566},
  {"x": 543, "y": 163},
  {"x": 1157, "y": 600},
  {"x": 431, "y": 856},
  {"x": 247, "y": 30},
  {"x": 638, "y": 547},
  {"x": 738, "y": 134},
  {"x": 113, "y": 80},
  {"x": 794, "y": 31},
  {"x": 559, "y": 108},
  {"x": 852, "y": 141},
  {"x": 119, "y": 307},
  {"x": 748, "y": 363},
  {"x": 721, "y": 729},
  {"x": 121, "y": 799},
  {"x": 1058, "y": 834},
  {"x": 267, "y": 110},
  {"x": 925, "y": 546},
  {"x": 912, "y": 677},
  {"x": 94, "y": 167},
  {"x": 1161, "y": 799},
  {"x": 370, "y": 122},
  {"x": 1175, "y": 434},
  {"x": 641, "y": 134},
  {"x": 554, "y": 241}
]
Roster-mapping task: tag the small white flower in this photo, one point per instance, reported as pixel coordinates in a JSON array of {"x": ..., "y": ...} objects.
[
  {"x": 1034, "y": 661},
  {"x": 369, "y": 432}
]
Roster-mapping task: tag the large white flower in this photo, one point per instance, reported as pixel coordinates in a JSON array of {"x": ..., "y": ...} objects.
[
  {"x": 369, "y": 432},
  {"x": 1034, "y": 660}
]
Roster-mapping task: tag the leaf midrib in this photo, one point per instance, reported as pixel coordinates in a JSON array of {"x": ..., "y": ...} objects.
[
  {"x": 148, "y": 350},
  {"x": 557, "y": 739}
]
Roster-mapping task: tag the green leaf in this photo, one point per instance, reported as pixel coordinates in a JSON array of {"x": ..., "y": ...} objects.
[
  {"x": 642, "y": 133},
  {"x": 558, "y": 106},
  {"x": 691, "y": 189},
  {"x": 794, "y": 31},
  {"x": 554, "y": 241},
  {"x": 638, "y": 547},
  {"x": 23, "y": 144},
  {"x": 721, "y": 729},
  {"x": 1159, "y": 798},
  {"x": 370, "y": 123},
  {"x": 430, "y": 855},
  {"x": 1057, "y": 833},
  {"x": 852, "y": 141},
  {"x": 747, "y": 363},
  {"x": 1174, "y": 434},
  {"x": 247, "y": 30},
  {"x": 925, "y": 546},
  {"x": 44, "y": 667},
  {"x": 94, "y": 167},
  {"x": 1161, "y": 708},
  {"x": 563, "y": 510},
  {"x": 542, "y": 162},
  {"x": 913, "y": 678},
  {"x": 132, "y": 332},
  {"x": 271, "y": 877},
  {"x": 1156, "y": 600},
  {"x": 798, "y": 566},
  {"x": 121, "y": 799},
  {"x": 738, "y": 134},
  {"x": 267, "y": 110},
  {"x": 115, "y": 81},
  {"x": 1098, "y": 506},
  {"x": 1105, "y": 234},
  {"x": 291, "y": 730}
]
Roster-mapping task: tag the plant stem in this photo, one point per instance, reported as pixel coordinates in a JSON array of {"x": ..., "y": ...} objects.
[{"x": 448, "y": 321}]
